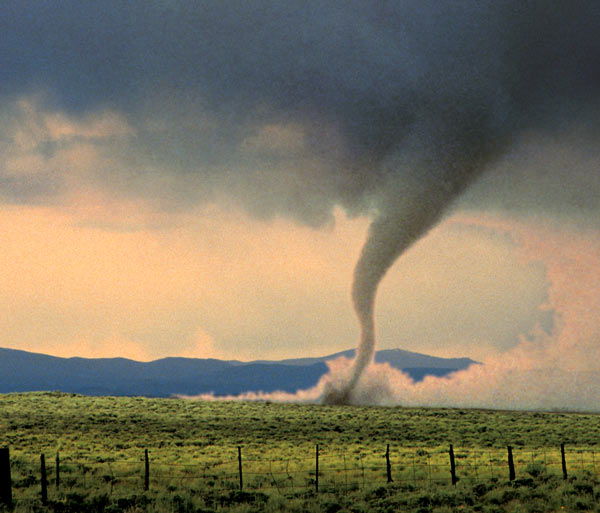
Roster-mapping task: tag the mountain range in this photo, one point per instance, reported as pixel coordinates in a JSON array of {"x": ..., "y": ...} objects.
[{"x": 22, "y": 371}]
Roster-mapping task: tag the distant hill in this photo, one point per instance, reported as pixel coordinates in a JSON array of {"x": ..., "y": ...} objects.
[
  {"x": 397, "y": 358},
  {"x": 21, "y": 371}
]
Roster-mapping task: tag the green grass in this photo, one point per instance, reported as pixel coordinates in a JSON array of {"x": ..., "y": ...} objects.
[{"x": 193, "y": 448}]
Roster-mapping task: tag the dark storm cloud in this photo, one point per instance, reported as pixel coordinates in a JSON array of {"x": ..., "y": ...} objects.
[{"x": 424, "y": 80}]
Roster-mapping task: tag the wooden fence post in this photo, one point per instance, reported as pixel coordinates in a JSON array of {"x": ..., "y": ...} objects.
[
  {"x": 317, "y": 469},
  {"x": 44, "y": 480},
  {"x": 146, "y": 471},
  {"x": 240, "y": 467},
  {"x": 511, "y": 465},
  {"x": 388, "y": 466},
  {"x": 452, "y": 466},
  {"x": 5, "y": 481},
  {"x": 57, "y": 471},
  {"x": 564, "y": 461}
]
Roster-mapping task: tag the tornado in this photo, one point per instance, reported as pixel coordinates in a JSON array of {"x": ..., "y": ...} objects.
[
  {"x": 406, "y": 214},
  {"x": 529, "y": 71}
]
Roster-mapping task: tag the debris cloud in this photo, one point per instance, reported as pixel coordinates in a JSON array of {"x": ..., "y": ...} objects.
[{"x": 550, "y": 371}]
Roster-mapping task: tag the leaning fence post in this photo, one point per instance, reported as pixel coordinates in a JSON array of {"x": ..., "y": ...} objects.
[
  {"x": 511, "y": 465},
  {"x": 57, "y": 471},
  {"x": 240, "y": 467},
  {"x": 5, "y": 481},
  {"x": 317, "y": 469},
  {"x": 44, "y": 481},
  {"x": 146, "y": 471},
  {"x": 564, "y": 461},
  {"x": 452, "y": 465},
  {"x": 388, "y": 466}
]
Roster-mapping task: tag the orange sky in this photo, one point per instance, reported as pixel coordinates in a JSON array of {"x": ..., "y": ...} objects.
[{"x": 215, "y": 283}]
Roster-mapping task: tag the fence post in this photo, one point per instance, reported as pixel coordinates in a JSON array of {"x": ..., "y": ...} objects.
[
  {"x": 317, "y": 469},
  {"x": 388, "y": 466},
  {"x": 57, "y": 471},
  {"x": 44, "y": 480},
  {"x": 146, "y": 471},
  {"x": 452, "y": 465},
  {"x": 564, "y": 461},
  {"x": 240, "y": 467},
  {"x": 5, "y": 481},
  {"x": 511, "y": 465}
]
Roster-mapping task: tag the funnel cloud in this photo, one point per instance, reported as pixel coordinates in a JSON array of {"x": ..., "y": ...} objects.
[
  {"x": 387, "y": 109},
  {"x": 404, "y": 220}
]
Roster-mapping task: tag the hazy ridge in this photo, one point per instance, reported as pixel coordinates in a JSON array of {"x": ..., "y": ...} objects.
[{"x": 22, "y": 371}]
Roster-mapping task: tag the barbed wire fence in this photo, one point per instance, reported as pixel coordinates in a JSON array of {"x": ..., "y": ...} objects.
[{"x": 326, "y": 470}]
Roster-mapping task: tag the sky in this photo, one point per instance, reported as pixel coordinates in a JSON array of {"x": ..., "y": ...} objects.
[{"x": 185, "y": 179}]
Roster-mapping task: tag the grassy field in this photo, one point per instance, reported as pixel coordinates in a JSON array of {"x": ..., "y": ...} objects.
[{"x": 194, "y": 466}]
